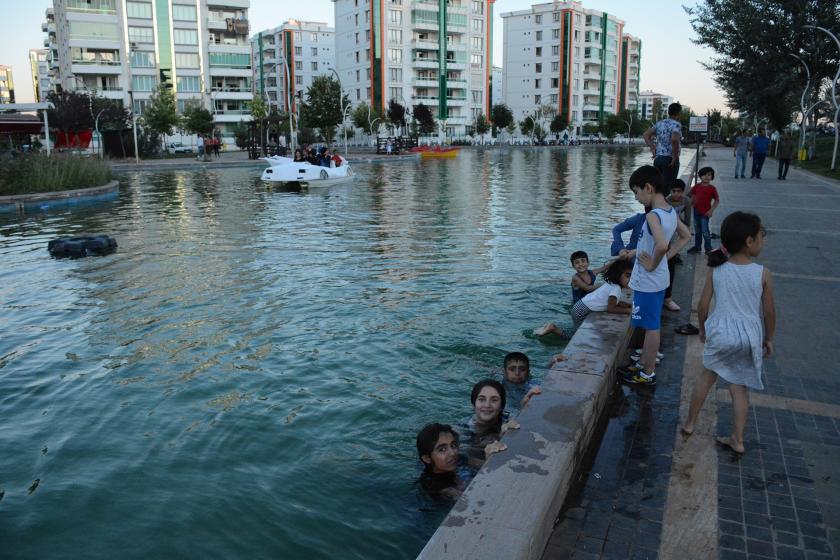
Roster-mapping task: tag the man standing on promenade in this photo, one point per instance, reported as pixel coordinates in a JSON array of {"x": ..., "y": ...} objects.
[
  {"x": 742, "y": 146},
  {"x": 666, "y": 148},
  {"x": 758, "y": 148}
]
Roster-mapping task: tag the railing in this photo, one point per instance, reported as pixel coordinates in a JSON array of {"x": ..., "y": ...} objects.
[
  {"x": 232, "y": 112},
  {"x": 97, "y": 61},
  {"x": 237, "y": 88}
]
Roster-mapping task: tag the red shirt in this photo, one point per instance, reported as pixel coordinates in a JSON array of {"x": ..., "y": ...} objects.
[{"x": 702, "y": 197}]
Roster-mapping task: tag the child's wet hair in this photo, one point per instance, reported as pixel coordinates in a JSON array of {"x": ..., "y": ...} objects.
[
  {"x": 518, "y": 357},
  {"x": 705, "y": 170},
  {"x": 648, "y": 174},
  {"x": 578, "y": 255},
  {"x": 734, "y": 231},
  {"x": 678, "y": 184},
  {"x": 428, "y": 436},
  {"x": 615, "y": 269},
  {"x": 488, "y": 383}
]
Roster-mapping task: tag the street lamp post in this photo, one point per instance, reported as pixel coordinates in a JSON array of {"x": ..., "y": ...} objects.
[
  {"x": 342, "y": 107},
  {"x": 370, "y": 122},
  {"x": 833, "y": 93},
  {"x": 131, "y": 100},
  {"x": 802, "y": 101},
  {"x": 289, "y": 102}
]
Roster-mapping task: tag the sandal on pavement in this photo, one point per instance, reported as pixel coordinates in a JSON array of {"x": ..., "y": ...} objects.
[{"x": 688, "y": 328}]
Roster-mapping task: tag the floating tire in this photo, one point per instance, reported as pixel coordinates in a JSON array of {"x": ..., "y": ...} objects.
[
  {"x": 82, "y": 246},
  {"x": 324, "y": 174}
]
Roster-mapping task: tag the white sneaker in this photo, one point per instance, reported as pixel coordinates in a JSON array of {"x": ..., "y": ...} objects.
[
  {"x": 672, "y": 305},
  {"x": 637, "y": 355}
]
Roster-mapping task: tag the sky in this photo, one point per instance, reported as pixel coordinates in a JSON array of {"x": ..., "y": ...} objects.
[{"x": 670, "y": 63}]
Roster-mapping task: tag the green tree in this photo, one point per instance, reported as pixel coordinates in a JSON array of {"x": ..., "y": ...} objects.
[
  {"x": 396, "y": 114},
  {"x": 511, "y": 127},
  {"x": 259, "y": 113},
  {"x": 559, "y": 123},
  {"x": 242, "y": 136},
  {"x": 425, "y": 119},
  {"x": 482, "y": 125},
  {"x": 160, "y": 114},
  {"x": 198, "y": 120},
  {"x": 501, "y": 116},
  {"x": 71, "y": 111},
  {"x": 324, "y": 100},
  {"x": 526, "y": 126},
  {"x": 540, "y": 132},
  {"x": 365, "y": 117}
]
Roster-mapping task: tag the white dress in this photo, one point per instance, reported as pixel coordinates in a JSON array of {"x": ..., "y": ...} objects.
[{"x": 735, "y": 329}]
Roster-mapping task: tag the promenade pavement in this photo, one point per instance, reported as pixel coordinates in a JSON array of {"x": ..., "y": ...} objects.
[{"x": 647, "y": 492}]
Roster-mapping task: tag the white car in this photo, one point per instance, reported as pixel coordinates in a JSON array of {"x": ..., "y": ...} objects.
[{"x": 178, "y": 148}]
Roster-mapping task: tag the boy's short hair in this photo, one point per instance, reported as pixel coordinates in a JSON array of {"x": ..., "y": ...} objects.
[
  {"x": 428, "y": 436},
  {"x": 516, "y": 356},
  {"x": 578, "y": 255},
  {"x": 678, "y": 184},
  {"x": 616, "y": 268},
  {"x": 704, "y": 170},
  {"x": 648, "y": 174},
  {"x": 674, "y": 109}
]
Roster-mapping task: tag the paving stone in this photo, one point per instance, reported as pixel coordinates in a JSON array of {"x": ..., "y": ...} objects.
[
  {"x": 788, "y": 553},
  {"x": 760, "y": 547}
]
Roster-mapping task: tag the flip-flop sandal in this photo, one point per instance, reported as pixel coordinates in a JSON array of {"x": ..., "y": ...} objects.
[{"x": 688, "y": 328}]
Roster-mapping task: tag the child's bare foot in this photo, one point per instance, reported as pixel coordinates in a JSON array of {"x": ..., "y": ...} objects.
[
  {"x": 727, "y": 442},
  {"x": 544, "y": 330}
]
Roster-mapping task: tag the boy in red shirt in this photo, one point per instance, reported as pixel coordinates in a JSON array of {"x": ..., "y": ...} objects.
[{"x": 704, "y": 199}]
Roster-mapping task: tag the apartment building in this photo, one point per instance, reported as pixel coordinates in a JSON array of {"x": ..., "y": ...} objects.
[
  {"x": 654, "y": 106},
  {"x": 569, "y": 58},
  {"x": 435, "y": 52},
  {"x": 122, "y": 49},
  {"x": 39, "y": 66},
  {"x": 306, "y": 47},
  {"x": 631, "y": 53},
  {"x": 497, "y": 86},
  {"x": 7, "y": 85}
]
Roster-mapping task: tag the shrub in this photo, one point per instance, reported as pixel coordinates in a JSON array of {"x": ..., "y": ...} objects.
[{"x": 36, "y": 173}]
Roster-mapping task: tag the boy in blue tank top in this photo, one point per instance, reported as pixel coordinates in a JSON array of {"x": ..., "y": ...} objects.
[{"x": 650, "y": 272}]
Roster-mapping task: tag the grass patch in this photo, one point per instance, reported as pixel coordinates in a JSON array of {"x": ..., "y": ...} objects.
[
  {"x": 822, "y": 163},
  {"x": 37, "y": 173}
]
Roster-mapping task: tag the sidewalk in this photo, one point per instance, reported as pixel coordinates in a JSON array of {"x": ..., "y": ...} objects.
[{"x": 650, "y": 493}]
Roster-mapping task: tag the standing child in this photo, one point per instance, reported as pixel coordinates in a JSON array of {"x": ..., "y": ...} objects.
[
  {"x": 704, "y": 199},
  {"x": 739, "y": 332},
  {"x": 679, "y": 202},
  {"x": 650, "y": 271}
]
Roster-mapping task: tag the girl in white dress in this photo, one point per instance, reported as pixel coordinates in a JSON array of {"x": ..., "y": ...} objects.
[{"x": 738, "y": 333}]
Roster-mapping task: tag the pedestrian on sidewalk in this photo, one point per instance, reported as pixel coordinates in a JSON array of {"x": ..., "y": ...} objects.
[
  {"x": 704, "y": 199},
  {"x": 785, "y": 153},
  {"x": 742, "y": 146},
  {"x": 739, "y": 332},
  {"x": 200, "y": 144},
  {"x": 758, "y": 148},
  {"x": 666, "y": 146}
]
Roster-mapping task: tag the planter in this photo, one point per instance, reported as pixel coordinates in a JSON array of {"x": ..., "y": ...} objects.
[{"x": 43, "y": 201}]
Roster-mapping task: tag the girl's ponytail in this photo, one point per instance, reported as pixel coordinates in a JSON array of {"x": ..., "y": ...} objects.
[
  {"x": 717, "y": 257},
  {"x": 734, "y": 231}
]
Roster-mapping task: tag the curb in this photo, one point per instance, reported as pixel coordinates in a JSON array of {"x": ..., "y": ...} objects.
[
  {"x": 509, "y": 508},
  {"x": 19, "y": 202}
]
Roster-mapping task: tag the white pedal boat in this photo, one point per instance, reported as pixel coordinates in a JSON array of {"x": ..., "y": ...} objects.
[{"x": 286, "y": 170}]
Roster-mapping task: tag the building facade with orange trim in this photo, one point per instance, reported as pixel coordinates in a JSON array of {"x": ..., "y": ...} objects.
[
  {"x": 562, "y": 58},
  {"x": 434, "y": 52}
]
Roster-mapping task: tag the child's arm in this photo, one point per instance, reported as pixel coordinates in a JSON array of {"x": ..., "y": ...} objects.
[
  {"x": 714, "y": 204},
  {"x": 535, "y": 390},
  {"x": 578, "y": 283},
  {"x": 616, "y": 306},
  {"x": 683, "y": 237},
  {"x": 704, "y": 303},
  {"x": 650, "y": 262},
  {"x": 768, "y": 306},
  {"x": 601, "y": 269}
]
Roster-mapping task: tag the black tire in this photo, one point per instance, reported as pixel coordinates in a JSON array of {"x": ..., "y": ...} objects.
[{"x": 81, "y": 246}]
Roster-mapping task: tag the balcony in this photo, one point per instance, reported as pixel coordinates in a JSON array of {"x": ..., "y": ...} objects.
[
  {"x": 95, "y": 67},
  {"x": 48, "y": 27},
  {"x": 428, "y": 5},
  {"x": 424, "y": 99},
  {"x": 426, "y": 63},
  {"x": 213, "y": 23},
  {"x": 230, "y": 3},
  {"x": 427, "y": 44},
  {"x": 426, "y": 82},
  {"x": 456, "y": 119},
  {"x": 232, "y": 94}
]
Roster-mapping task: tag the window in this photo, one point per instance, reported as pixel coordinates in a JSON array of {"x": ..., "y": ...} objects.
[
  {"x": 234, "y": 60},
  {"x": 395, "y": 36},
  {"x": 577, "y": 34},
  {"x": 181, "y": 12},
  {"x": 142, "y": 59},
  {"x": 184, "y": 104},
  {"x": 476, "y": 60},
  {"x": 395, "y": 93},
  {"x": 555, "y": 50},
  {"x": 475, "y": 43},
  {"x": 185, "y": 36},
  {"x": 555, "y": 82},
  {"x": 539, "y": 35},
  {"x": 139, "y": 106},
  {"x": 574, "y": 100},
  {"x": 298, "y": 51},
  {"x": 188, "y": 83},
  {"x": 94, "y": 6},
  {"x": 555, "y": 33},
  {"x": 314, "y": 66},
  {"x": 577, "y": 68},
  {"x": 555, "y": 66},
  {"x": 143, "y": 83},
  {"x": 556, "y": 16},
  {"x": 298, "y": 36},
  {"x": 395, "y": 56},
  {"x": 394, "y": 74},
  {"x": 358, "y": 95},
  {"x": 138, "y": 10},
  {"x": 313, "y": 37},
  {"x": 357, "y": 38},
  {"x": 476, "y": 95},
  {"x": 314, "y": 51},
  {"x": 135, "y": 34},
  {"x": 478, "y": 6},
  {"x": 537, "y": 83},
  {"x": 357, "y": 56},
  {"x": 357, "y": 20},
  {"x": 186, "y": 60},
  {"x": 538, "y": 51},
  {"x": 553, "y": 99},
  {"x": 395, "y": 17},
  {"x": 358, "y": 75},
  {"x": 538, "y": 67},
  {"x": 299, "y": 80},
  {"x": 299, "y": 65},
  {"x": 537, "y": 99},
  {"x": 477, "y": 25}
]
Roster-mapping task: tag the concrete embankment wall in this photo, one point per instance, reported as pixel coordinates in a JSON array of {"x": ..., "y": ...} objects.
[
  {"x": 21, "y": 202},
  {"x": 509, "y": 509}
]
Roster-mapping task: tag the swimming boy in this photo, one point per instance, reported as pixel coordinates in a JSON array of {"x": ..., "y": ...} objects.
[
  {"x": 517, "y": 370},
  {"x": 650, "y": 272}
]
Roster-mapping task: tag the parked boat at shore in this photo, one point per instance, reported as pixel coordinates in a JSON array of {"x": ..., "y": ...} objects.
[{"x": 436, "y": 151}]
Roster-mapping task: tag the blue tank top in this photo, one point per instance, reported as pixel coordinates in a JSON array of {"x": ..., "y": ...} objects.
[{"x": 577, "y": 293}]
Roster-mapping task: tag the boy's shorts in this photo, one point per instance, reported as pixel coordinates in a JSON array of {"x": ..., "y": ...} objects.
[{"x": 647, "y": 310}]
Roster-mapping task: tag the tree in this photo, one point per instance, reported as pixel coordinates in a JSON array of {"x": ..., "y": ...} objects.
[
  {"x": 526, "y": 126},
  {"x": 501, "y": 116},
  {"x": 324, "y": 100},
  {"x": 112, "y": 117},
  {"x": 363, "y": 116},
  {"x": 425, "y": 119},
  {"x": 539, "y": 132},
  {"x": 613, "y": 125},
  {"x": 241, "y": 136},
  {"x": 482, "y": 125},
  {"x": 558, "y": 124},
  {"x": 71, "y": 112},
  {"x": 511, "y": 127},
  {"x": 198, "y": 120},
  {"x": 396, "y": 114},
  {"x": 161, "y": 114},
  {"x": 259, "y": 113}
]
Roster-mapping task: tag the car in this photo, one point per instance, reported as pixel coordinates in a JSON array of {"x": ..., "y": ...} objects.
[{"x": 178, "y": 148}]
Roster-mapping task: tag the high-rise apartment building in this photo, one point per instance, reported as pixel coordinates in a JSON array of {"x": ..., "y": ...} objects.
[
  {"x": 7, "y": 85},
  {"x": 569, "y": 58},
  {"x": 497, "y": 83},
  {"x": 306, "y": 47},
  {"x": 631, "y": 53},
  {"x": 654, "y": 106},
  {"x": 39, "y": 66},
  {"x": 122, "y": 49},
  {"x": 435, "y": 52}
]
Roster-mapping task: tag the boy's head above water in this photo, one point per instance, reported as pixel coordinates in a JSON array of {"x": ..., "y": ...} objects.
[
  {"x": 580, "y": 261},
  {"x": 437, "y": 446},
  {"x": 517, "y": 367}
]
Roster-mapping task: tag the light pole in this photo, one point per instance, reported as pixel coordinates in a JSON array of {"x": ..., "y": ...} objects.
[
  {"x": 342, "y": 107},
  {"x": 833, "y": 93},
  {"x": 629, "y": 125},
  {"x": 370, "y": 122},
  {"x": 131, "y": 100},
  {"x": 289, "y": 102}
]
